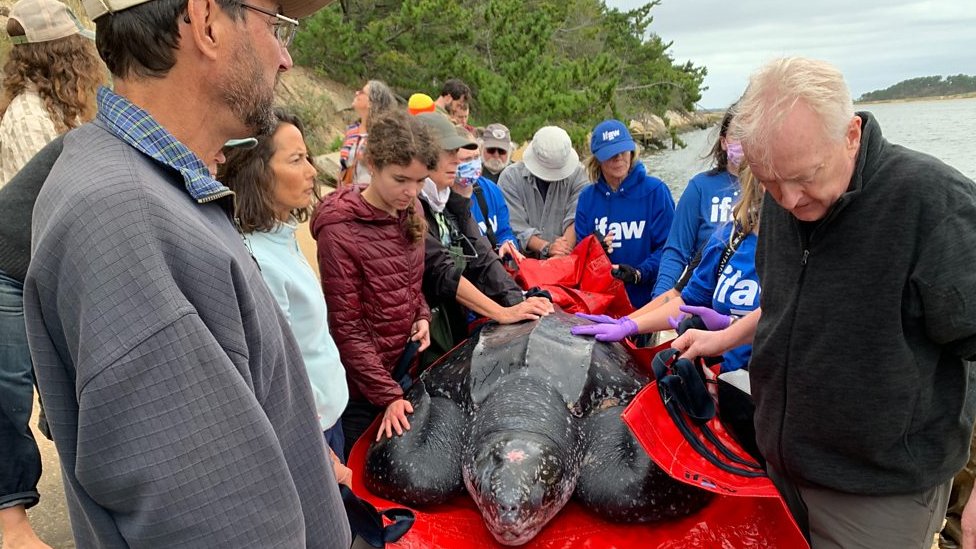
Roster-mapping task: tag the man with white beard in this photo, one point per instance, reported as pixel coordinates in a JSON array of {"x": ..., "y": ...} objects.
[{"x": 496, "y": 151}]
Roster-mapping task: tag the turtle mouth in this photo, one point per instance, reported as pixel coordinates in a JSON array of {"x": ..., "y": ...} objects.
[
  {"x": 517, "y": 524},
  {"x": 512, "y": 538},
  {"x": 514, "y": 530}
]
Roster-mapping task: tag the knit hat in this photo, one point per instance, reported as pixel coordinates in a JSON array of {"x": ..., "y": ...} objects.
[
  {"x": 609, "y": 139},
  {"x": 445, "y": 132},
  {"x": 292, "y": 8},
  {"x": 550, "y": 156},
  {"x": 420, "y": 102},
  {"x": 497, "y": 136},
  {"x": 46, "y": 20}
]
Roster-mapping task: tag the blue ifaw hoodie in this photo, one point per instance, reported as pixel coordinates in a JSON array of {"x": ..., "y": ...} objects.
[{"x": 639, "y": 214}]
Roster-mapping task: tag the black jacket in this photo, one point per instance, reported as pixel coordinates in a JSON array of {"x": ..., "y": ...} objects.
[
  {"x": 858, "y": 366},
  {"x": 16, "y": 206},
  {"x": 482, "y": 267}
]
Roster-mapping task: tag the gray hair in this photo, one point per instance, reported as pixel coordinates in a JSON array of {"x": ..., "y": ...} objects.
[
  {"x": 780, "y": 85},
  {"x": 381, "y": 99}
]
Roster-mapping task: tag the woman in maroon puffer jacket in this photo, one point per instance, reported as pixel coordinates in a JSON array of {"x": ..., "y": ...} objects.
[{"x": 371, "y": 258}]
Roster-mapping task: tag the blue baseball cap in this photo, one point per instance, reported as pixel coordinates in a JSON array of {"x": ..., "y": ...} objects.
[{"x": 609, "y": 139}]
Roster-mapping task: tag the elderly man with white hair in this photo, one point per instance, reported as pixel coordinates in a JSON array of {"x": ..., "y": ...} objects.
[
  {"x": 542, "y": 191},
  {"x": 860, "y": 366}
]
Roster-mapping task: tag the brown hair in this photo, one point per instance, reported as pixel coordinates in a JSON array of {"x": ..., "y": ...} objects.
[
  {"x": 141, "y": 41},
  {"x": 398, "y": 139},
  {"x": 593, "y": 165},
  {"x": 720, "y": 158},
  {"x": 248, "y": 173},
  {"x": 65, "y": 72}
]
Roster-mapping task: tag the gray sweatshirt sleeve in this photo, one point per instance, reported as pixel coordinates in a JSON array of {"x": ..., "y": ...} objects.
[{"x": 514, "y": 192}]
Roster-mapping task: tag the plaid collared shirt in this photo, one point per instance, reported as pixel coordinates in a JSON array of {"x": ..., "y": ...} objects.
[{"x": 137, "y": 128}]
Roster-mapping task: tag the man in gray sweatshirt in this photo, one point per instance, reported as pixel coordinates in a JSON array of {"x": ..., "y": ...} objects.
[{"x": 175, "y": 391}]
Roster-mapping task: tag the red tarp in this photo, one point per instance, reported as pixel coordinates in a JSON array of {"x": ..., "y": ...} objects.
[
  {"x": 728, "y": 521},
  {"x": 579, "y": 282}
]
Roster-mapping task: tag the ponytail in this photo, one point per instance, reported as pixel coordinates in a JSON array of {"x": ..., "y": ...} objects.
[{"x": 416, "y": 224}]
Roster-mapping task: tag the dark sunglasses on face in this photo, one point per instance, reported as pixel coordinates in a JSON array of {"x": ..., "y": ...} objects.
[{"x": 495, "y": 150}]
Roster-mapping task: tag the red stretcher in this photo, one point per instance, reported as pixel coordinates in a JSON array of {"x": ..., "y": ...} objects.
[{"x": 743, "y": 514}]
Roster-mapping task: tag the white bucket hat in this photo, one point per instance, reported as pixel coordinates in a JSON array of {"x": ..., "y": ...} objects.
[{"x": 550, "y": 156}]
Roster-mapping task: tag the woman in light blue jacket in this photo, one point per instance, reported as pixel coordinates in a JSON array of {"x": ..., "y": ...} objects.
[{"x": 276, "y": 190}]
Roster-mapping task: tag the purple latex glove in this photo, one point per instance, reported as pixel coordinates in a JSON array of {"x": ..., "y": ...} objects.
[
  {"x": 713, "y": 319},
  {"x": 606, "y": 328}
]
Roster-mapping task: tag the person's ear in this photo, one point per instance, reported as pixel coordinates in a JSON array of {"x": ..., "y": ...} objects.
[
  {"x": 853, "y": 136},
  {"x": 203, "y": 26}
]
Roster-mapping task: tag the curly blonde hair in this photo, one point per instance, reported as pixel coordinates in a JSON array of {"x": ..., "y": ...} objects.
[{"x": 65, "y": 72}]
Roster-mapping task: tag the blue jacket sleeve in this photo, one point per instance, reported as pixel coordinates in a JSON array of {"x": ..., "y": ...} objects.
[
  {"x": 498, "y": 208},
  {"x": 660, "y": 226},
  {"x": 703, "y": 281},
  {"x": 584, "y": 221},
  {"x": 679, "y": 248}
]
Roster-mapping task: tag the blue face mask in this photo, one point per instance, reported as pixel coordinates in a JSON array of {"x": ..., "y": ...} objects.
[{"x": 468, "y": 173}]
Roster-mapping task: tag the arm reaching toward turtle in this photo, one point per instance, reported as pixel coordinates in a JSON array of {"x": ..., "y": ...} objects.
[
  {"x": 695, "y": 343},
  {"x": 395, "y": 419}
]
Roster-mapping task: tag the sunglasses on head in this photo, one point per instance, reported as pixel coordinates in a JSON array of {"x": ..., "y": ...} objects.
[{"x": 495, "y": 150}]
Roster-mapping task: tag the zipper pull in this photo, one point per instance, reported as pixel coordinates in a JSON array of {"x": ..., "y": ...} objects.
[{"x": 803, "y": 260}]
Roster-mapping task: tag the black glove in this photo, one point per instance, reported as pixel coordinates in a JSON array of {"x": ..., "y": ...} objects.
[
  {"x": 536, "y": 291},
  {"x": 626, "y": 273}
]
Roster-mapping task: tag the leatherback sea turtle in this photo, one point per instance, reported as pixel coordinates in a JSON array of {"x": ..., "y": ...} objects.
[{"x": 525, "y": 416}]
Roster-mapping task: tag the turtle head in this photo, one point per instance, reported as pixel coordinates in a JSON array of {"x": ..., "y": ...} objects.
[{"x": 519, "y": 483}]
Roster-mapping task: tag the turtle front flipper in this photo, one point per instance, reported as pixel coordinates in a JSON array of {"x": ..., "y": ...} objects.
[
  {"x": 620, "y": 483},
  {"x": 422, "y": 466}
]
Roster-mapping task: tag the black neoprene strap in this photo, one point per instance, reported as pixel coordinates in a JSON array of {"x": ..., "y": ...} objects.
[
  {"x": 479, "y": 195},
  {"x": 366, "y": 522},
  {"x": 681, "y": 396},
  {"x": 730, "y": 248}
]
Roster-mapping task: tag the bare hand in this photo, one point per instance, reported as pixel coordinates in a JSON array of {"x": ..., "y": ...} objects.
[
  {"x": 343, "y": 474},
  {"x": 420, "y": 331},
  {"x": 968, "y": 521},
  {"x": 509, "y": 249},
  {"x": 395, "y": 419},
  {"x": 695, "y": 343},
  {"x": 608, "y": 243},
  {"x": 560, "y": 247},
  {"x": 17, "y": 531},
  {"x": 532, "y": 308}
]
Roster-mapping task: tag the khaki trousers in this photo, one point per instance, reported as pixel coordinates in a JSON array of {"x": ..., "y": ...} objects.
[{"x": 837, "y": 520}]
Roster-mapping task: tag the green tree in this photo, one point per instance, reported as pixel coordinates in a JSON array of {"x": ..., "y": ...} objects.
[{"x": 530, "y": 63}]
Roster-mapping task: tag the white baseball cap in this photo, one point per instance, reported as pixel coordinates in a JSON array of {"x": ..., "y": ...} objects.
[{"x": 46, "y": 20}]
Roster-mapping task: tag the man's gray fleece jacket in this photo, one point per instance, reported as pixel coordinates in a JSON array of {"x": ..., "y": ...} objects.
[{"x": 174, "y": 388}]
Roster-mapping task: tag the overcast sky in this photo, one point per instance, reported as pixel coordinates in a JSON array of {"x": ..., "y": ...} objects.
[{"x": 875, "y": 43}]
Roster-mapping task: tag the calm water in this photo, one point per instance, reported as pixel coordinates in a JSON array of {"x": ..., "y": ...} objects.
[{"x": 944, "y": 129}]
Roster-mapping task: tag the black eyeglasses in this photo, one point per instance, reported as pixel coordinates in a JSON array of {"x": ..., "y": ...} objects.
[
  {"x": 284, "y": 27},
  {"x": 495, "y": 150}
]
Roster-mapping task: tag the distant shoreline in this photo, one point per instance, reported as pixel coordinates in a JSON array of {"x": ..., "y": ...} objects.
[{"x": 969, "y": 95}]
